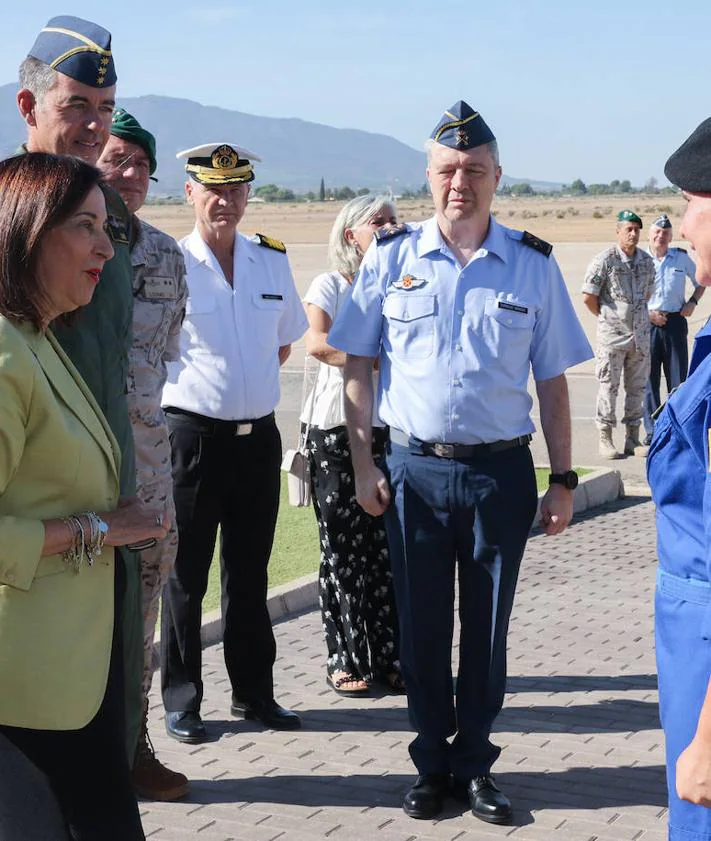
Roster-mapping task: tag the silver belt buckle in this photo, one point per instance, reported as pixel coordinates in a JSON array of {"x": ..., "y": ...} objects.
[
  {"x": 443, "y": 450},
  {"x": 244, "y": 429}
]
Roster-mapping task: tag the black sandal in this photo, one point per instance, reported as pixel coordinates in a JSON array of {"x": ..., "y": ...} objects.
[{"x": 347, "y": 693}]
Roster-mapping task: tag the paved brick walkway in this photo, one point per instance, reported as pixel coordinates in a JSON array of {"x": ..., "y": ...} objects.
[{"x": 582, "y": 751}]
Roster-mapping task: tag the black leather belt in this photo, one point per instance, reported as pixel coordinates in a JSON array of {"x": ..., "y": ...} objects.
[
  {"x": 441, "y": 450},
  {"x": 215, "y": 426}
]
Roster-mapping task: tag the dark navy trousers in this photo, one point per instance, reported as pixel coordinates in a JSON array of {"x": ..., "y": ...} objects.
[
  {"x": 669, "y": 353},
  {"x": 471, "y": 516}
]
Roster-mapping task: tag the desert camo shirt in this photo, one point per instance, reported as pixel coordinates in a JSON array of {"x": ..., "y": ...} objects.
[
  {"x": 160, "y": 293},
  {"x": 624, "y": 285}
]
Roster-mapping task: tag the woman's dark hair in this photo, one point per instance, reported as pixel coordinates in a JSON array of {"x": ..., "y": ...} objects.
[{"x": 38, "y": 191}]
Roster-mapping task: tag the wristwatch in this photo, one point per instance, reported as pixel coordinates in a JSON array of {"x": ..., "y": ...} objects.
[{"x": 569, "y": 479}]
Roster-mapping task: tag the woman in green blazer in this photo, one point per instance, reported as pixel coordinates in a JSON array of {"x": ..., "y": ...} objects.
[{"x": 60, "y": 513}]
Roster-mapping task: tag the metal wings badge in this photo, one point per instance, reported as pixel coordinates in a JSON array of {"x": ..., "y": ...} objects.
[{"x": 409, "y": 281}]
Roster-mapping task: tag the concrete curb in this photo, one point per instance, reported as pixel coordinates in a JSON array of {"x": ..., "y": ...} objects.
[{"x": 596, "y": 488}]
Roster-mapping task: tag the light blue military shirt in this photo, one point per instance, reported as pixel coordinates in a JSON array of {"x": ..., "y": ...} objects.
[
  {"x": 670, "y": 280},
  {"x": 456, "y": 344}
]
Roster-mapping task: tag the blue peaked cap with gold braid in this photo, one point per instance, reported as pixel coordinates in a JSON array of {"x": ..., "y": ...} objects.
[
  {"x": 461, "y": 127},
  {"x": 79, "y": 49}
]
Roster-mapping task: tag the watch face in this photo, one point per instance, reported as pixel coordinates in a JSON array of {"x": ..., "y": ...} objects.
[{"x": 571, "y": 480}]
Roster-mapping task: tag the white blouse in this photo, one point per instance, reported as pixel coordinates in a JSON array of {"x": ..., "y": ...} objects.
[{"x": 329, "y": 291}]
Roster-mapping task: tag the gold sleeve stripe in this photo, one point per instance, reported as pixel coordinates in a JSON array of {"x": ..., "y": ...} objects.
[
  {"x": 95, "y": 47},
  {"x": 453, "y": 124}
]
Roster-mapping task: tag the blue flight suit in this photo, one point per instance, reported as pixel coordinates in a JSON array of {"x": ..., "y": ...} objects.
[
  {"x": 456, "y": 346},
  {"x": 702, "y": 347},
  {"x": 668, "y": 344},
  {"x": 679, "y": 472}
]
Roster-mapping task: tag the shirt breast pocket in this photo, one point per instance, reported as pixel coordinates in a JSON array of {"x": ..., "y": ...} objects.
[
  {"x": 410, "y": 321},
  {"x": 200, "y": 322},
  {"x": 268, "y": 310},
  {"x": 509, "y": 330}
]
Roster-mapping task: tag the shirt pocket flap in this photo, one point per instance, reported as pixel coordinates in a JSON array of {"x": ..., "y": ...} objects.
[
  {"x": 199, "y": 304},
  {"x": 513, "y": 314},
  {"x": 269, "y": 300},
  {"x": 408, "y": 307}
]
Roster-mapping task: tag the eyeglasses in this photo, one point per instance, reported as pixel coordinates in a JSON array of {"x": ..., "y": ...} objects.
[{"x": 140, "y": 164}]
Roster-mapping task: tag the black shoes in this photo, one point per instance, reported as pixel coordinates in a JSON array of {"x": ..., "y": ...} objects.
[
  {"x": 186, "y": 726},
  {"x": 426, "y": 797},
  {"x": 488, "y": 802},
  {"x": 268, "y": 712}
]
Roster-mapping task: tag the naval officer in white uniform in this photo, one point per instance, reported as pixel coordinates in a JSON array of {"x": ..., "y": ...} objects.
[{"x": 243, "y": 313}]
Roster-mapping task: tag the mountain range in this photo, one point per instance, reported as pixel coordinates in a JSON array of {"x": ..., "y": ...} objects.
[{"x": 296, "y": 153}]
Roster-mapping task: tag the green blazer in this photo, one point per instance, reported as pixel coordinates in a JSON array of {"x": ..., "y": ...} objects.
[{"x": 57, "y": 457}]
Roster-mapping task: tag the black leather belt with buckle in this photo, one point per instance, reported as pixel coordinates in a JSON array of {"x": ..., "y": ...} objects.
[
  {"x": 442, "y": 450},
  {"x": 215, "y": 426}
]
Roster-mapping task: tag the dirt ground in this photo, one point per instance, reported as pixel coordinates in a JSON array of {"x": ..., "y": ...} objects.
[{"x": 578, "y": 228}]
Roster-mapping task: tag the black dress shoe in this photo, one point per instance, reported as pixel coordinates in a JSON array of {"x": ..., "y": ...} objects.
[
  {"x": 186, "y": 726},
  {"x": 426, "y": 797},
  {"x": 268, "y": 712},
  {"x": 487, "y": 801}
]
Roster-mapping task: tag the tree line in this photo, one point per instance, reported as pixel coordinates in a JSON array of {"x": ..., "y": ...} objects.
[{"x": 580, "y": 188}]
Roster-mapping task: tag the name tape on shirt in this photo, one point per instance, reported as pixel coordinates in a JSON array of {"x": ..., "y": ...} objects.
[
  {"x": 268, "y": 296},
  {"x": 504, "y": 305}
]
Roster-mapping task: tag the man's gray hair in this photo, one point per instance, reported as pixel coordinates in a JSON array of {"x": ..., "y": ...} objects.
[
  {"x": 39, "y": 78},
  {"x": 492, "y": 147},
  {"x": 343, "y": 255}
]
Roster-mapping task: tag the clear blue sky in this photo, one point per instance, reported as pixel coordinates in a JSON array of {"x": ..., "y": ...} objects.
[{"x": 572, "y": 89}]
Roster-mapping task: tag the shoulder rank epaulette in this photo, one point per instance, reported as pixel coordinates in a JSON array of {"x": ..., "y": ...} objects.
[
  {"x": 389, "y": 232},
  {"x": 683, "y": 250},
  {"x": 537, "y": 244},
  {"x": 268, "y": 242}
]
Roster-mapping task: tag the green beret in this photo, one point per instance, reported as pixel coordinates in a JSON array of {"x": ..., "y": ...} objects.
[
  {"x": 126, "y": 127},
  {"x": 629, "y": 216}
]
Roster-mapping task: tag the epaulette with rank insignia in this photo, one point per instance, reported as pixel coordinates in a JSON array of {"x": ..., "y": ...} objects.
[
  {"x": 683, "y": 250},
  {"x": 389, "y": 232},
  {"x": 268, "y": 242},
  {"x": 537, "y": 244}
]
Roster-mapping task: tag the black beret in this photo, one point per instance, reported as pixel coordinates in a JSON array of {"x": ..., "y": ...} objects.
[{"x": 690, "y": 166}]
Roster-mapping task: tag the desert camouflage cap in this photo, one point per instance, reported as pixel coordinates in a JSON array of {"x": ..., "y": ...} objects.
[
  {"x": 462, "y": 128},
  {"x": 629, "y": 216},
  {"x": 78, "y": 48}
]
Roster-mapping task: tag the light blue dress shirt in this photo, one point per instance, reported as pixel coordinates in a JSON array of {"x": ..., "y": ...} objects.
[
  {"x": 456, "y": 344},
  {"x": 670, "y": 280}
]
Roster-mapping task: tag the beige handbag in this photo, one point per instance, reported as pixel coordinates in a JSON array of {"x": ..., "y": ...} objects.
[{"x": 296, "y": 462}]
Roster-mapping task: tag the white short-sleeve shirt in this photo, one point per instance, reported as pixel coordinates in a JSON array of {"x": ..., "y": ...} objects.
[
  {"x": 323, "y": 407},
  {"x": 230, "y": 338}
]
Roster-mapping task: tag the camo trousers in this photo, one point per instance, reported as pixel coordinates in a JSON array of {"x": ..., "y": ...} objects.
[
  {"x": 633, "y": 366},
  {"x": 156, "y": 564}
]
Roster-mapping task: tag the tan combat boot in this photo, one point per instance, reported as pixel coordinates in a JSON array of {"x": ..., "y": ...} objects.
[
  {"x": 607, "y": 448},
  {"x": 633, "y": 446},
  {"x": 150, "y": 778}
]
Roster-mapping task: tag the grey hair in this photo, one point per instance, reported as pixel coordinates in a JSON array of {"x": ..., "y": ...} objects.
[
  {"x": 39, "y": 78},
  {"x": 492, "y": 147},
  {"x": 343, "y": 255}
]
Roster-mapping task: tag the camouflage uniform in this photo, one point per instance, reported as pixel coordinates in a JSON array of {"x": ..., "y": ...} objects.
[
  {"x": 624, "y": 285},
  {"x": 160, "y": 293}
]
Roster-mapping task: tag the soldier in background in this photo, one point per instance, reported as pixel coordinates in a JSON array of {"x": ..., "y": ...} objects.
[
  {"x": 618, "y": 284},
  {"x": 160, "y": 293}
]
